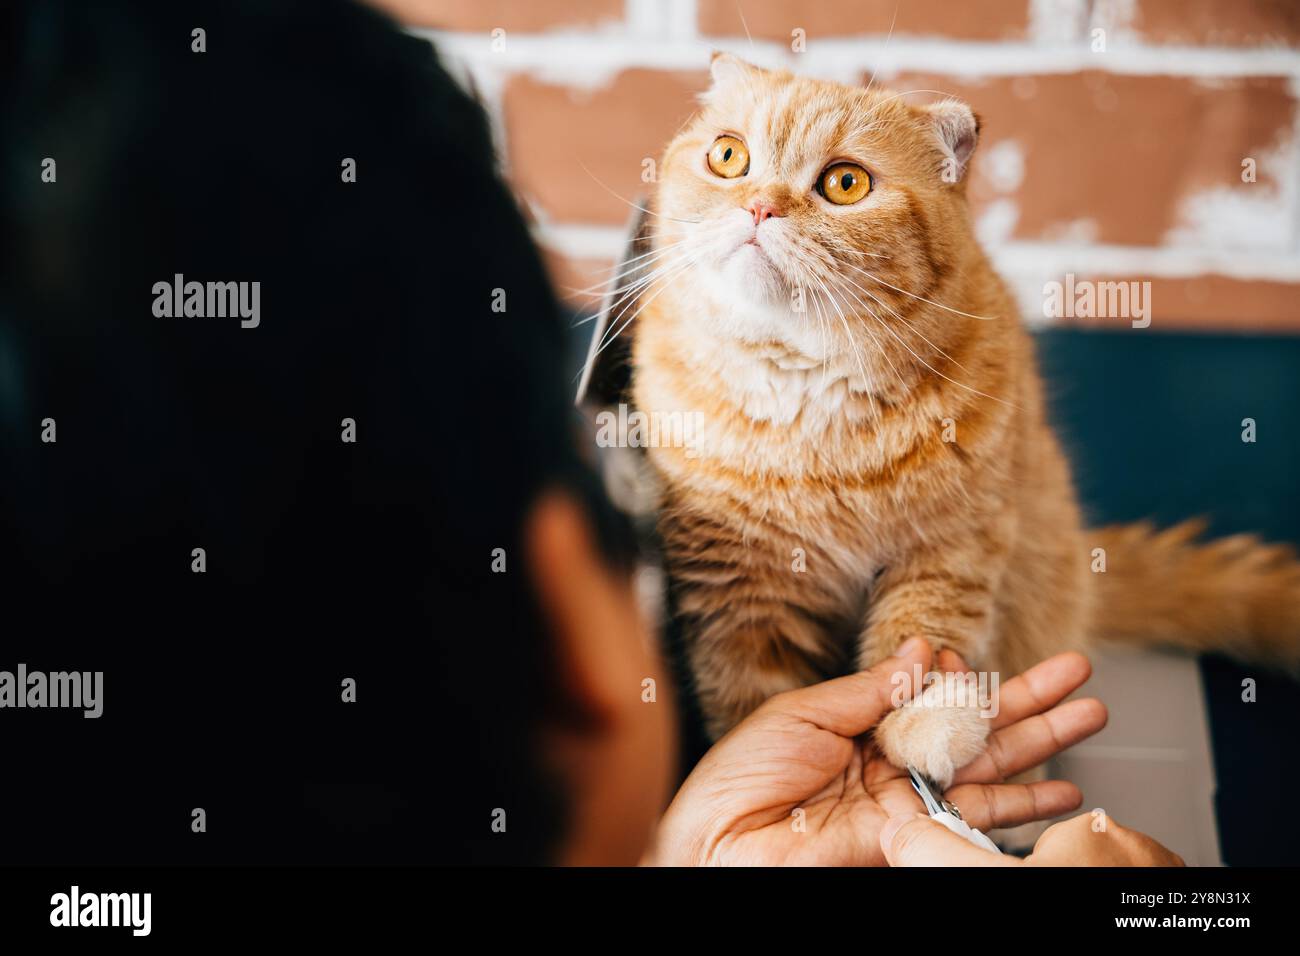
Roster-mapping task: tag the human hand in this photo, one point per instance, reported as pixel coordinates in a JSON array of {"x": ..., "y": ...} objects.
[
  {"x": 916, "y": 840},
  {"x": 808, "y": 750}
]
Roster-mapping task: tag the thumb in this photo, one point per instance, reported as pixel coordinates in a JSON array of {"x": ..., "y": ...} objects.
[
  {"x": 852, "y": 705},
  {"x": 916, "y": 840}
]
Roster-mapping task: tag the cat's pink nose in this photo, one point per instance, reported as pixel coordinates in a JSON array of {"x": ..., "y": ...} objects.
[{"x": 762, "y": 209}]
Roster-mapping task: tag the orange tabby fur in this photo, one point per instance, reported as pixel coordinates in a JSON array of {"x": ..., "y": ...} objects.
[{"x": 823, "y": 431}]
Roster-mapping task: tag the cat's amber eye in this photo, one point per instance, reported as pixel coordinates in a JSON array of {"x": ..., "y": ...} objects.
[
  {"x": 844, "y": 183},
  {"x": 728, "y": 157}
]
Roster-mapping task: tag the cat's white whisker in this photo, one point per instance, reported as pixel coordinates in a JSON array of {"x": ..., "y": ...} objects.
[
  {"x": 648, "y": 212},
  {"x": 644, "y": 303},
  {"x": 628, "y": 299},
  {"x": 637, "y": 263},
  {"x": 674, "y": 270},
  {"x": 599, "y": 290},
  {"x": 886, "y": 326},
  {"x": 871, "y": 391},
  {"x": 921, "y": 298},
  {"x": 848, "y": 332},
  {"x": 882, "y": 352},
  {"x": 821, "y": 325},
  {"x": 875, "y": 411},
  {"x": 660, "y": 255},
  {"x": 911, "y": 328}
]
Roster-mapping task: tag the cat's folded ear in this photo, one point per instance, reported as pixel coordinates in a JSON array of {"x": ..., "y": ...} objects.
[
  {"x": 728, "y": 71},
  {"x": 957, "y": 128},
  {"x": 727, "y": 68}
]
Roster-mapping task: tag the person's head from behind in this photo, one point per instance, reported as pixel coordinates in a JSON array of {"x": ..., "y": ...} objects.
[{"x": 454, "y": 558}]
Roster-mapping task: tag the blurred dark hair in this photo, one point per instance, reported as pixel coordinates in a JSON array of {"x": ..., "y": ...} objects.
[{"x": 325, "y": 560}]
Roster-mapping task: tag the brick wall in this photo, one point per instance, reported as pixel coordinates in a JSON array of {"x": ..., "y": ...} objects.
[{"x": 1110, "y": 155}]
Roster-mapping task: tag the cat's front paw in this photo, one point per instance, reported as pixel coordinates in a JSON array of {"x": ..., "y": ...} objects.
[{"x": 936, "y": 738}]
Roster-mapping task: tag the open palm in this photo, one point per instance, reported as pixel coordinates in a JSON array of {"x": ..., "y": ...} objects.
[{"x": 801, "y": 782}]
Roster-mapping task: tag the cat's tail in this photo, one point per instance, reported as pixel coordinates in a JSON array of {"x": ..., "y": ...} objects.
[{"x": 1237, "y": 595}]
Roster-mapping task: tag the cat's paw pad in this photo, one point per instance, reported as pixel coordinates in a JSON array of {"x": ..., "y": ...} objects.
[{"x": 935, "y": 738}]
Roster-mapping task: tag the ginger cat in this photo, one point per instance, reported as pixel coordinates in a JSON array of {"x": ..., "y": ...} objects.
[{"x": 871, "y": 410}]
